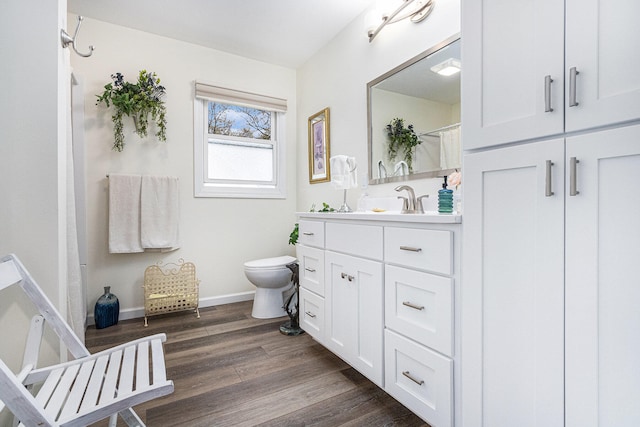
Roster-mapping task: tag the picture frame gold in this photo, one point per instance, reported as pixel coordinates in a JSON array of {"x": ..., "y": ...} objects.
[{"x": 319, "y": 147}]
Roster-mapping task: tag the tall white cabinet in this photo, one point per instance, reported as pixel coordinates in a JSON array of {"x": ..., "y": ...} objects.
[
  {"x": 603, "y": 280},
  {"x": 513, "y": 294},
  {"x": 532, "y": 70},
  {"x": 550, "y": 327}
]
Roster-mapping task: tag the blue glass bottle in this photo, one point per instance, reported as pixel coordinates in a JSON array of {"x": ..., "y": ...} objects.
[
  {"x": 445, "y": 199},
  {"x": 107, "y": 309}
]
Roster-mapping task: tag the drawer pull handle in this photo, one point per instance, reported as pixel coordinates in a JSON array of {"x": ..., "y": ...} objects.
[
  {"x": 408, "y": 375},
  {"x": 409, "y": 304},
  {"x": 346, "y": 276},
  {"x": 311, "y": 270},
  {"x": 307, "y": 233},
  {"x": 310, "y": 314},
  {"x": 410, "y": 248}
]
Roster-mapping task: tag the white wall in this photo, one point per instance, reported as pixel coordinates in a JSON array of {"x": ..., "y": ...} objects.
[
  {"x": 337, "y": 77},
  {"x": 218, "y": 235},
  {"x": 423, "y": 114}
]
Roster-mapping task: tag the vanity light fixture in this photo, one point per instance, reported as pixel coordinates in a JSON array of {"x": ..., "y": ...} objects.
[
  {"x": 447, "y": 68},
  {"x": 418, "y": 11}
]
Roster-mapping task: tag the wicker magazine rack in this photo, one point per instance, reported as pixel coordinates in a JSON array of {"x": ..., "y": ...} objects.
[{"x": 169, "y": 288}]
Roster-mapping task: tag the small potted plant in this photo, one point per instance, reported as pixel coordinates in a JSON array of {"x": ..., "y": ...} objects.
[
  {"x": 402, "y": 140},
  {"x": 138, "y": 101}
]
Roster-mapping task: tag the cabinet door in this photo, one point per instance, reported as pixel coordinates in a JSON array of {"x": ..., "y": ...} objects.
[
  {"x": 513, "y": 288},
  {"x": 354, "y": 312},
  {"x": 509, "y": 48},
  {"x": 603, "y": 41},
  {"x": 603, "y": 280}
]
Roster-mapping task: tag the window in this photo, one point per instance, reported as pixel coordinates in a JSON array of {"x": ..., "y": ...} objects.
[{"x": 239, "y": 144}]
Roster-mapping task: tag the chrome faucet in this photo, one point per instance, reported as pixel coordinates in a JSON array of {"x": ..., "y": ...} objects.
[{"x": 410, "y": 204}]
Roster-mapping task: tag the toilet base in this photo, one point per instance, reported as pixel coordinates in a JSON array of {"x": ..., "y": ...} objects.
[{"x": 268, "y": 303}]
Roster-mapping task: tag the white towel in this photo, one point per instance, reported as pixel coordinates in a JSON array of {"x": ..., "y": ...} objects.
[
  {"x": 159, "y": 213},
  {"x": 343, "y": 172},
  {"x": 450, "y": 149},
  {"x": 124, "y": 213}
]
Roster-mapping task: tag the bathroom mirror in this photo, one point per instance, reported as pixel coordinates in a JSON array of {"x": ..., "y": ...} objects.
[{"x": 428, "y": 101}]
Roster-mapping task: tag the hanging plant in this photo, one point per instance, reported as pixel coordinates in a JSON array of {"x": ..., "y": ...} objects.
[
  {"x": 402, "y": 140},
  {"x": 138, "y": 101}
]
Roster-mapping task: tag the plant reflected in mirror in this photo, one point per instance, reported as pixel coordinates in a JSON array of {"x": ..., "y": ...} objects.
[{"x": 414, "y": 118}]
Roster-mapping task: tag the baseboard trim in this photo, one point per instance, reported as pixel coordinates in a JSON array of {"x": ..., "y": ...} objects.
[{"x": 138, "y": 312}]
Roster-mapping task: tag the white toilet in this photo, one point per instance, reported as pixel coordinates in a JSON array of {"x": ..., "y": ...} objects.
[{"x": 271, "y": 277}]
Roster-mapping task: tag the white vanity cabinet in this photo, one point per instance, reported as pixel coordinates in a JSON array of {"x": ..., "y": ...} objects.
[
  {"x": 389, "y": 296},
  {"x": 541, "y": 68}
]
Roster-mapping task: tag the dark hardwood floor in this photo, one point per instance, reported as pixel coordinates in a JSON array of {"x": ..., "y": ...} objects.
[{"x": 230, "y": 369}]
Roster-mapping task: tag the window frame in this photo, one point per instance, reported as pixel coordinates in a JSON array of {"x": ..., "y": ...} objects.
[{"x": 205, "y": 187}]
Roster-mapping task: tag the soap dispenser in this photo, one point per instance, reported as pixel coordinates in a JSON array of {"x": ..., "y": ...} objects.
[{"x": 445, "y": 199}]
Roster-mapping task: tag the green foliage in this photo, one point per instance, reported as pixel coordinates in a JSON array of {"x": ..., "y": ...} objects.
[
  {"x": 402, "y": 140},
  {"x": 293, "y": 237},
  {"x": 138, "y": 101},
  {"x": 325, "y": 208}
]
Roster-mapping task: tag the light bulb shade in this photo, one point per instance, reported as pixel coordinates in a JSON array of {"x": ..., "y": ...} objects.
[{"x": 447, "y": 68}]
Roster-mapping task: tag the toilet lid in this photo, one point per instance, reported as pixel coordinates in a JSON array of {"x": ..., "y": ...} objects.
[{"x": 280, "y": 261}]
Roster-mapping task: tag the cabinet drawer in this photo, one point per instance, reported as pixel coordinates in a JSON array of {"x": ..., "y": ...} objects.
[
  {"x": 361, "y": 240},
  {"x": 311, "y": 269},
  {"x": 424, "y": 249},
  {"x": 312, "y": 314},
  {"x": 311, "y": 233},
  {"x": 420, "y": 379},
  {"x": 420, "y": 306}
]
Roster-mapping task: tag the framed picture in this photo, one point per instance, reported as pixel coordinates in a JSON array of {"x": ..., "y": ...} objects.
[{"x": 319, "y": 152}]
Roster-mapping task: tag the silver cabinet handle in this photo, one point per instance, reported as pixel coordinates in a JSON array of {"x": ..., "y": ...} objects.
[
  {"x": 547, "y": 183},
  {"x": 346, "y": 276},
  {"x": 547, "y": 94},
  {"x": 573, "y": 176},
  {"x": 408, "y": 375},
  {"x": 573, "y": 72},
  {"x": 310, "y": 314},
  {"x": 311, "y": 270},
  {"x": 410, "y": 249},
  {"x": 412, "y": 305},
  {"x": 307, "y": 233}
]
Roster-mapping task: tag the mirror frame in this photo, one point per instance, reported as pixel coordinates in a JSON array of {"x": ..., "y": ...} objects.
[{"x": 370, "y": 85}]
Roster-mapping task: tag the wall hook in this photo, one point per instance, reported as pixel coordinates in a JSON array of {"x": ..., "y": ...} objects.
[{"x": 67, "y": 40}]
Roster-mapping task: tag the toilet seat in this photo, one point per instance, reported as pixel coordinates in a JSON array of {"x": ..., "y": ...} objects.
[{"x": 269, "y": 263}]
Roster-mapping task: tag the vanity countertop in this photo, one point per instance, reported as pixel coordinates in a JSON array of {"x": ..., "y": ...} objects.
[{"x": 430, "y": 217}]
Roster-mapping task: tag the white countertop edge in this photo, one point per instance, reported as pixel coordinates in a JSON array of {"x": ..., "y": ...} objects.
[{"x": 430, "y": 217}]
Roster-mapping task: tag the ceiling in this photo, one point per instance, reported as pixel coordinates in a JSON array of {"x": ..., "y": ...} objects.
[{"x": 281, "y": 32}]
